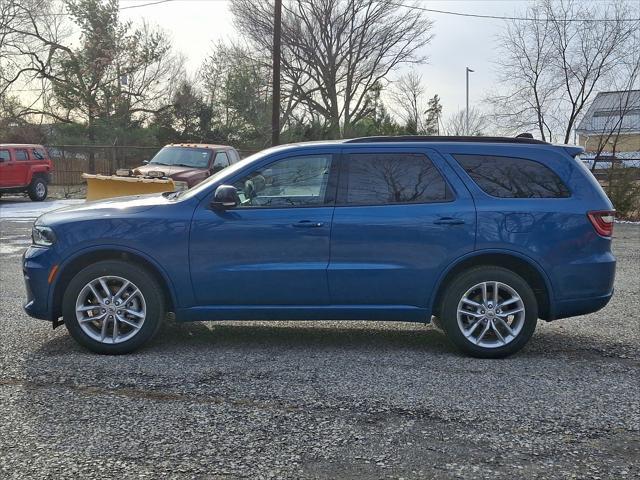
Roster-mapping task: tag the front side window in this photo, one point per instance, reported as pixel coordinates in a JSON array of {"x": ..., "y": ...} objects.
[
  {"x": 22, "y": 155},
  {"x": 290, "y": 182},
  {"x": 508, "y": 177},
  {"x": 182, "y": 157},
  {"x": 4, "y": 155},
  {"x": 221, "y": 161},
  {"x": 390, "y": 178}
]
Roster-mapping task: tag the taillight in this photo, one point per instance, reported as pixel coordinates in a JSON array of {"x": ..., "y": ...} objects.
[{"x": 602, "y": 221}]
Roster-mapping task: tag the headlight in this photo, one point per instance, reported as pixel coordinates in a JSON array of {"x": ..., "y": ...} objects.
[
  {"x": 43, "y": 236},
  {"x": 179, "y": 186}
]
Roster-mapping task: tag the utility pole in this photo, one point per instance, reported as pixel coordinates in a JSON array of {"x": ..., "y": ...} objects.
[
  {"x": 277, "y": 34},
  {"x": 467, "y": 111}
]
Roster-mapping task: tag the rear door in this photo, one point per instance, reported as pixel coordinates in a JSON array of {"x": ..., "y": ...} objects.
[
  {"x": 402, "y": 215},
  {"x": 22, "y": 165}
]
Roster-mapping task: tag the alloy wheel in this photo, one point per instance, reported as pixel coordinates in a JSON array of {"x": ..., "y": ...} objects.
[
  {"x": 111, "y": 309},
  {"x": 491, "y": 314}
]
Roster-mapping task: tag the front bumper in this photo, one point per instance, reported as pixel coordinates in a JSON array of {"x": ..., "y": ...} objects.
[{"x": 37, "y": 263}]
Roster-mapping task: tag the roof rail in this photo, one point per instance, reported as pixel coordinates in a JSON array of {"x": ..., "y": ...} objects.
[{"x": 427, "y": 138}]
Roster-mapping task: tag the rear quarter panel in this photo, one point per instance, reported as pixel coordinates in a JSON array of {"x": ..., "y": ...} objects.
[{"x": 555, "y": 233}]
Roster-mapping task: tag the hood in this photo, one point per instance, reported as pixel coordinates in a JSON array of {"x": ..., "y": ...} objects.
[
  {"x": 111, "y": 207},
  {"x": 169, "y": 170},
  {"x": 191, "y": 175}
]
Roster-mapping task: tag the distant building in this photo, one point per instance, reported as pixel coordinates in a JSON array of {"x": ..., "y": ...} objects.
[{"x": 603, "y": 117}]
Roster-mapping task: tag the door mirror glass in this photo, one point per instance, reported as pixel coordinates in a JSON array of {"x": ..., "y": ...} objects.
[{"x": 225, "y": 197}]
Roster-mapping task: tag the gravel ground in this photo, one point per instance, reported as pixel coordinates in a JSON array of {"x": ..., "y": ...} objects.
[{"x": 321, "y": 399}]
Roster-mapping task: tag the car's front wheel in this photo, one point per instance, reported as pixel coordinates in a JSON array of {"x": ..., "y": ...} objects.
[
  {"x": 489, "y": 312},
  {"x": 113, "y": 307}
]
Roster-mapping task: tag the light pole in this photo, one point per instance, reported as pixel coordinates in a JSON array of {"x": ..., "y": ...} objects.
[
  {"x": 467, "y": 111},
  {"x": 275, "y": 107}
]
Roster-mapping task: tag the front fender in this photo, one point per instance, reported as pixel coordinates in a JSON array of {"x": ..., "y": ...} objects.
[{"x": 111, "y": 249}]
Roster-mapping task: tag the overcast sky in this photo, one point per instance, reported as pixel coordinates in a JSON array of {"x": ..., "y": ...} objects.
[{"x": 458, "y": 42}]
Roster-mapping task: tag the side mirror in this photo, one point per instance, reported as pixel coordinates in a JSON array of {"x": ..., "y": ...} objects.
[
  {"x": 225, "y": 197},
  {"x": 144, "y": 162}
]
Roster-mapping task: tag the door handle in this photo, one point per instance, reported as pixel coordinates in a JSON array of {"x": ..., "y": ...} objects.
[
  {"x": 307, "y": 224},
  {"x": 449, "y": 221}
]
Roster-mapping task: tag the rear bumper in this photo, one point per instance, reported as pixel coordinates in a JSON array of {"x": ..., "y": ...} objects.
[{"x": 580, "y": 306}]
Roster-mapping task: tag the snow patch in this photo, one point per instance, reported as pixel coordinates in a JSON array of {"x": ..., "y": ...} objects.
[{"x": 22, "y": 211}]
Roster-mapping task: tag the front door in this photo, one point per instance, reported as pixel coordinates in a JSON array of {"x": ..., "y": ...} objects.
[
  {"x": 273, "y": 248},
  {"x": 11, "y": 172},
  {"x": 401, "y": 216}
]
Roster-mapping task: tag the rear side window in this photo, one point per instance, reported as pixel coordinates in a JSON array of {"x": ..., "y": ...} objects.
[
  {"x": 4, "y": 155},
  {"x": 508, "y": 177},
  {"x": 21, "y": 155},
  {"x": 392, "y": 178}
]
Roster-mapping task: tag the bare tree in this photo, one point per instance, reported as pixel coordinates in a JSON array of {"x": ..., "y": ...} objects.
[
  {"x": 612, "y": 124},
  {"x": 456, "y": 124},
  {"x": 335, "y": 53},
  {"x": 552, "y": 65},
  {"x": 117, "y": 72},
  {"x": 407, "y": 95}
]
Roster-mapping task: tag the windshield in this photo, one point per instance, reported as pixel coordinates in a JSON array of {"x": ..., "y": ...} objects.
[{"x": 183, "y": 157}]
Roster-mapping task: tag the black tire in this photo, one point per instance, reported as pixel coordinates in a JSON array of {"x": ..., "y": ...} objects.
[
  {"x": 38, "y": 189},
  {"x": 467, "y": 280},
  {"x": 145, "y": 282}
]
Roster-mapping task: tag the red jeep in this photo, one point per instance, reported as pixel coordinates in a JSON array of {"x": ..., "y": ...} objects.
[{"x": 25, "y": 168}]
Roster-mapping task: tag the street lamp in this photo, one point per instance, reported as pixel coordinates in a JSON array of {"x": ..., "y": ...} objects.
[{"x": 468, "y": 70}]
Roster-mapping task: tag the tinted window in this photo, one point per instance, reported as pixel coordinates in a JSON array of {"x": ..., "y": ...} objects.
[
  {"x": 290, "y": 182},
  {"x": 221, "y": 161},
  {"x": 508, "y": 177},
  {"x": 387, "y": 178},
  {"x": 4, "y": 155},
  {"x": 21, "y": 155}
]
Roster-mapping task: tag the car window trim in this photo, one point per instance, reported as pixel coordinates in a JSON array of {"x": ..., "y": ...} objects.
[
  {"x": 482, "y": 190},
  {"x": 341, "y": 195}
]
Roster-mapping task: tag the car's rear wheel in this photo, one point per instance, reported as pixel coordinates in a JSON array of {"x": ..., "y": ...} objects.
[
  {"x": 37, "y": 189},
  {"x": 113, "y": 307},
  {"x": 489, "y": 312}
]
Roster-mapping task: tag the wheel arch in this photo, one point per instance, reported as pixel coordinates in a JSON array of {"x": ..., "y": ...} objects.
[
  {"x": 520, "y": 264},
  {"x": 88, "y": 256}
]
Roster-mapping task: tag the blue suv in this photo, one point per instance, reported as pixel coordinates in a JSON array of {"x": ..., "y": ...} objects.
[{"x": 484, "y": 236}]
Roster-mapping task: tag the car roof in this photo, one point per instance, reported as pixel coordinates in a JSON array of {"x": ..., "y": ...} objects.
[
  {"x": 201, "y": 145},
  {"x": 20, "y": 145}
]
